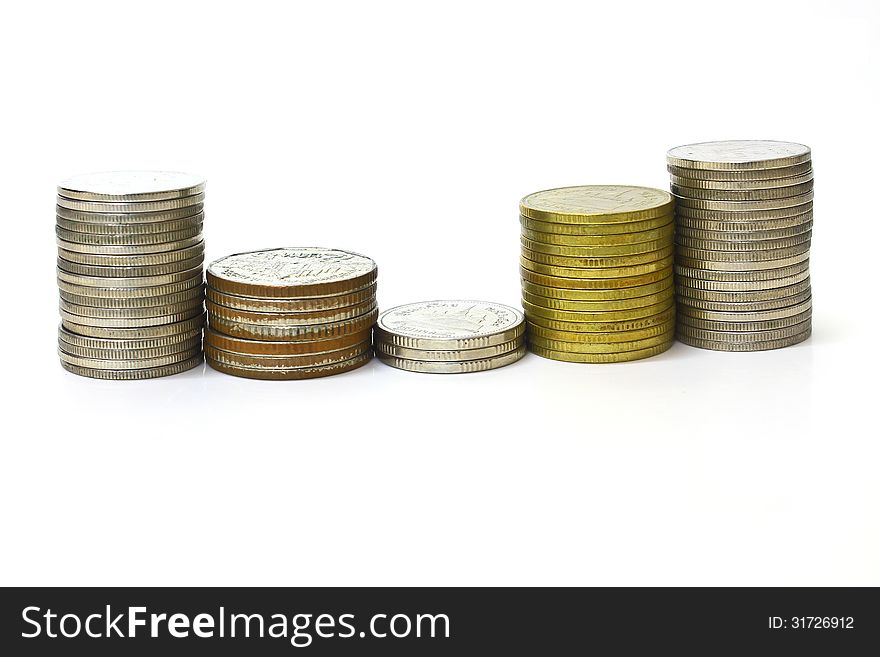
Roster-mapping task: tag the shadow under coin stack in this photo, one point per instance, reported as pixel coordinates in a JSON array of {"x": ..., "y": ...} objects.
[
  {"x": 596, "y": 272},
  {"x": 130, "y": 253},
  {"x": 450, "y": 337},
  {"x": 293, "y": 313},
  {"x": 744, "y": 218}
]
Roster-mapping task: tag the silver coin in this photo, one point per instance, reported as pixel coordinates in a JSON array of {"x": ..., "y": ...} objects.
[
  {"x": 134, "y": 302},
  {"x": 741, "y": 267},
  {"x": 122, "y": 292},
  {"x": 126, "y": 230},
  {"x": 452, "y": 367},
  {"x": 78, "y": 321},
  {"x": 138, "y": 260},
  {"x": 742, "y": 317},
  {"x": 743, "y": 195},
  {"x": 445, "y": 355},
  {"x": 132, "y": 375},
  {"x": 449, "y": 325},
  {"x": 131, "y": 186},
  {"x": 138, "y": 282},
  {"x": 129, "y": 218},
  {"x": 129, "y": 272},
  {"x": 136, "y": 333},
  {"x": 742, "y": 185},
  {"x": 729, "y": 250},
  {"x": 278, "y": 273},
  {"x": 691, "y": 276},
  {"x": 747, "y": 346},
  {"x": 189, "y": 306},
  {"x": 763, "y": 294},
  {"x": 764, "y": 325},
  {"x": 722, "y": 175},
  {"x": 139, "y": 249},
  {"x": 773, "y": 218},
  {"x": 743, "y": 235},
  {"x": 134, "y": 344},
  {"x": 743, "y": 337},
  {"x": 685, "y": 204},
  {"x": 135, "y": 207},
  {"x": 738, "y": 154},
  {"x": 191, "y": 345},
  {"x": 128, "y": 240},
  {"x": 685, "y": 301}
]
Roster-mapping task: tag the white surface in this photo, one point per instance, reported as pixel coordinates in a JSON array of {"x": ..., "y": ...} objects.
[{"x": 409, "y": 133}]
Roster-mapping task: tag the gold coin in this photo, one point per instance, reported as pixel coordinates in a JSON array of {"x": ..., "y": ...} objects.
[
  {"x": 596, "y": 204},
  {"x": 570, "y": 283},
  {"x": 533, "y": 312},
  {"x": 624, "y": 356},
  {"x": 597, "y": 273},
  {"x": 293, "y": 373},
  {"x": 601, "y": 347},
  {"x": 663, "y": 233},
  {"x": 594, "y": 251},
  {"x": 597, "y": 295},
  {"x": 596, "y": 337},
  {"x": 604, "y": 327},
  {"x": 599, "y": 262},
  {"x": 597, "y": 230},
  {"x": 598, "y": 306}
]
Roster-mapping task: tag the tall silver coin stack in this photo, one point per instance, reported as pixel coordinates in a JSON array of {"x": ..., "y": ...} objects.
[
  {"x": 130, "y": 254},
  {"x": 450, "y": 337},
  {"x": 744, "y": 219}
]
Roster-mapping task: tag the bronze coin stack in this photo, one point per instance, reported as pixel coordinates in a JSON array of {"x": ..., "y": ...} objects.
[
  {"x": 130, "y": 253},
  {"x": 290, "y": 313}
]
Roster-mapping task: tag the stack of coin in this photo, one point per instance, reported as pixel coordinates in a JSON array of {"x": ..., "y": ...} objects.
[
  {"x": 450, "y": 337},
  {"x": 596, "y": 272},
  {"x": 130, "y": 254},
  {"x": 292, "y": 313},
  {"x": 744, "y": 218}
]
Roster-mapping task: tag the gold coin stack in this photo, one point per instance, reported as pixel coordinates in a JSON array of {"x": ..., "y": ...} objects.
[
  {"x": 744, "y": 218},
  {"x": 596, "y": 272},
  {"x": 290, "y": 313},
  {"x": 130, "y": 253}
]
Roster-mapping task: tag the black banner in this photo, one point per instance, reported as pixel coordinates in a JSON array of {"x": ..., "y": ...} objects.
[{"x": 430, "y": 621}]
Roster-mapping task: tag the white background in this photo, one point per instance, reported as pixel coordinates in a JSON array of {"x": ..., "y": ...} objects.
[{"x": 409, "y": 132}]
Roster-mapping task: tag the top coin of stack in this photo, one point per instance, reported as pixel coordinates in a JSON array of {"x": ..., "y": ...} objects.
[
  {"x": 290, "y": 313},
  {"x": 596, "y": 272},
  {"x": 130, "y": 254},
  {"x": 744, "y": 219},
  {"x": 449, "y": 337}
]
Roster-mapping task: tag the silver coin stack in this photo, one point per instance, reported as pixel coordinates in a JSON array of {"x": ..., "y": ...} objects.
[
  {"x": 449, "y": 337},
  {"x": 744, "y": 219},
  {"x": 130, "y": 253}
]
